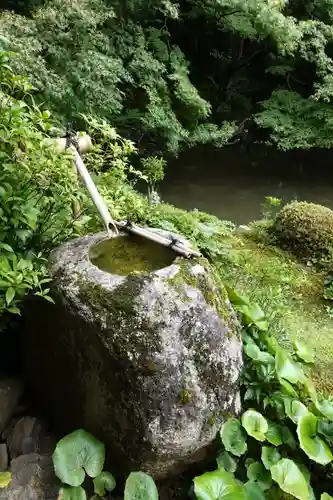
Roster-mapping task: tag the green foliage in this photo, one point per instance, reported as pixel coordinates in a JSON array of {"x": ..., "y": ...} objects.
[
  {"x": 306, "y": 229},
  {"x": 5, "y": 479},
  {"x": 140, "y": 486},
  {"x": 280, "y": 408}
]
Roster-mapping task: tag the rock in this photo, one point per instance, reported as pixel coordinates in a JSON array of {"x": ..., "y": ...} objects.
[
  {"x": 33, "y": 478},
  {"x": 3, "y": 457},
  {"x": 11, "y": 390},
  {"x": 148, "y": 363},
  {"x": 243, "y": 229},
  {"x": 29, "y": 436}
]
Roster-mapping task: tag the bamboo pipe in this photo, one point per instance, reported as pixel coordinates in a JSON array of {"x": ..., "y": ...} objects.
[{"x": 177, "y": 247}]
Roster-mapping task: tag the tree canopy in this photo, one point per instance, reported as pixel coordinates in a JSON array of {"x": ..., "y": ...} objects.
[{"x": 175, "y": 74}]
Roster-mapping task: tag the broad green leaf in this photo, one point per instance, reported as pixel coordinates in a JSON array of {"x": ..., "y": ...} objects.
[
  {"x": 10, "y": 294},
  {"x": 290, "y": 479},
  {"x": 287, "y": 368},
  {"x": 295, "y": 409},
  {"x": 217, "y": 485},
  {"x": 326, "y": 430},
  {"x": 235, "y": 298},
  {"x": 303, "y": 351},
  {"x": 6, "y": 247},
  {"x": 104, "y": 482},
  {"x": 269, "y": 456},
  {"x": 253, "y": 314},
  {"x": 140, "y": 486},
  {"x": 256, "y": 472},
  {"x": 255, "y": 424},
  {"x": 273, "y": 434},
  {"x": 5, "y": 479},
  {"x": 70, "y": 493},
  {"x": 233, "y": 437},
  {"x": 226, "y": 461},
  {"x": 252, "y": 351},
  {"x": 253, "y": 491},
  {"x": 77, "y": 453},
  {"x": 288, "y": 437},
  {"x": 315, "y": 447},
  {"x": 326, "y": 408},
  {"x": 326, "y": 496},
  {"x": 287, "y": 388}
]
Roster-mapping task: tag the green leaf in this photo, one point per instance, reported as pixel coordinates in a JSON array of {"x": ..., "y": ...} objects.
[
  {"x": 273, "y": 434},
  {"x": 326, "y": 408},
  {"x": 5, "y": 479},
  {"x": 233, "y": 437},
  {"x": 217, "y": 485},
  {"x": 269, "y": 456},
  {"x": 295, "y": 409},
  {"x": 326, "y": 430},
  {"x": 287, "y": 388},
  {"x": 104, "y": 482},
  {"x": 288, "y": 437},
  {"x": 140, "y": 486},
  {"x": 77, "y": 453},
  {"x": 226, "y": 461},
  {"x": 255, "y": 424},
  {"x": 315, "y": 447},
  {"x": 290, "y": 479},
  {"x": 252, "y": 351},
  {"x": 10, "y": 294},
  {"x": 254, "y": 315},
  {"x": 287, "y": 368},
  {"x": 6, "y": 247},
  {"x": 326, "y": 496},
  {"x": 253, "y": 491},
  {"x": 256, "y": 472},
  {"x": 303, "y": 351},
  {"x": 70, "y": 493}
]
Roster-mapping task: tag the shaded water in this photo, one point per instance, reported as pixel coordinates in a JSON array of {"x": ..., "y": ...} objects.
[{"x": 232, "y": 184}]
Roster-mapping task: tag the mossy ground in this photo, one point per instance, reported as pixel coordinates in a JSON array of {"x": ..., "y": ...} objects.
[{"x": 290, "y": 294}]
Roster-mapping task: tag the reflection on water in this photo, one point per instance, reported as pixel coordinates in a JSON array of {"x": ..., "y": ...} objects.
[{"x": 232, "y": 184}]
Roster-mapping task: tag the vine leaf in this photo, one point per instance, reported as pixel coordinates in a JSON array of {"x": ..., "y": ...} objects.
[
  {"x": 290, "y": 479},
  {"x": 233, "y": 437},
  {"x": 140, "y": 486},
  {"x": 104, "y": 482},
  {"x": 303, "y": 351},
  {"x": 255, "y": 424},
  {"x": 218, "y": 485},
  {"x": 70, "y": 493},
  {"x": 257, "y": 473},
  {"x": 77, "y": 453},
  {"x": 315, "y": 447},
  {"x": 269, "y": 456},
  {"x": 226, "y": 461}
]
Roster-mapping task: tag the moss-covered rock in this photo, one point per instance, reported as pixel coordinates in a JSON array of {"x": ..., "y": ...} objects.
[
  {"x": 149, "y": 363},
  {"x": 306, "y": 229}
]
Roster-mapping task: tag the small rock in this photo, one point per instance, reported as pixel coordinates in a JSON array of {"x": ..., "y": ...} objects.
[
  {"x": 33, "y": 478},
  {"x": 3, "y": 457},
  {"x": 10, "y": 392},
  {"x": 29, "y": 436},
  {"x": 243, "y": 229}
]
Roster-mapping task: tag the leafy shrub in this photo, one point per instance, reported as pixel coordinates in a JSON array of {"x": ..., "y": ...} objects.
[{"x": 306, "y": 229}]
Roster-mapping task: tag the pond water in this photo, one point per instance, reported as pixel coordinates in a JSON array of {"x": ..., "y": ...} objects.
[{"x": 232, "y": 183}]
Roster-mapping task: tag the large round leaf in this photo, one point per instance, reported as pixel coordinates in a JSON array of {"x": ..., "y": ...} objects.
[
  {"x": 315, "y": 447},
  {"x": 326, "y": 408},
  {"x": 140, "y": 486},
  {"x": 226, "y": 462},
  {"x": 233, "y": 437},
  {"x": 290, "y": 479},
  {"x": 326, "y": 496},
  {"x": 255, "y": 424},
  {"x": 77, "y": 453},
  {"x": 70, "y": 493},
  {"x": 218, "y": 485},
  {"x": 273, "y": 434},
  {"x": 287, "y": 368},
  {"x": 269, "y": 456},
  {"x": 257, "y": 473},
  {"x": 295, "y": 409},
  {"x": 253, "y": 491},
  {"x": 303, "y": 351},
  {"x": 104, "y": 482}
]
